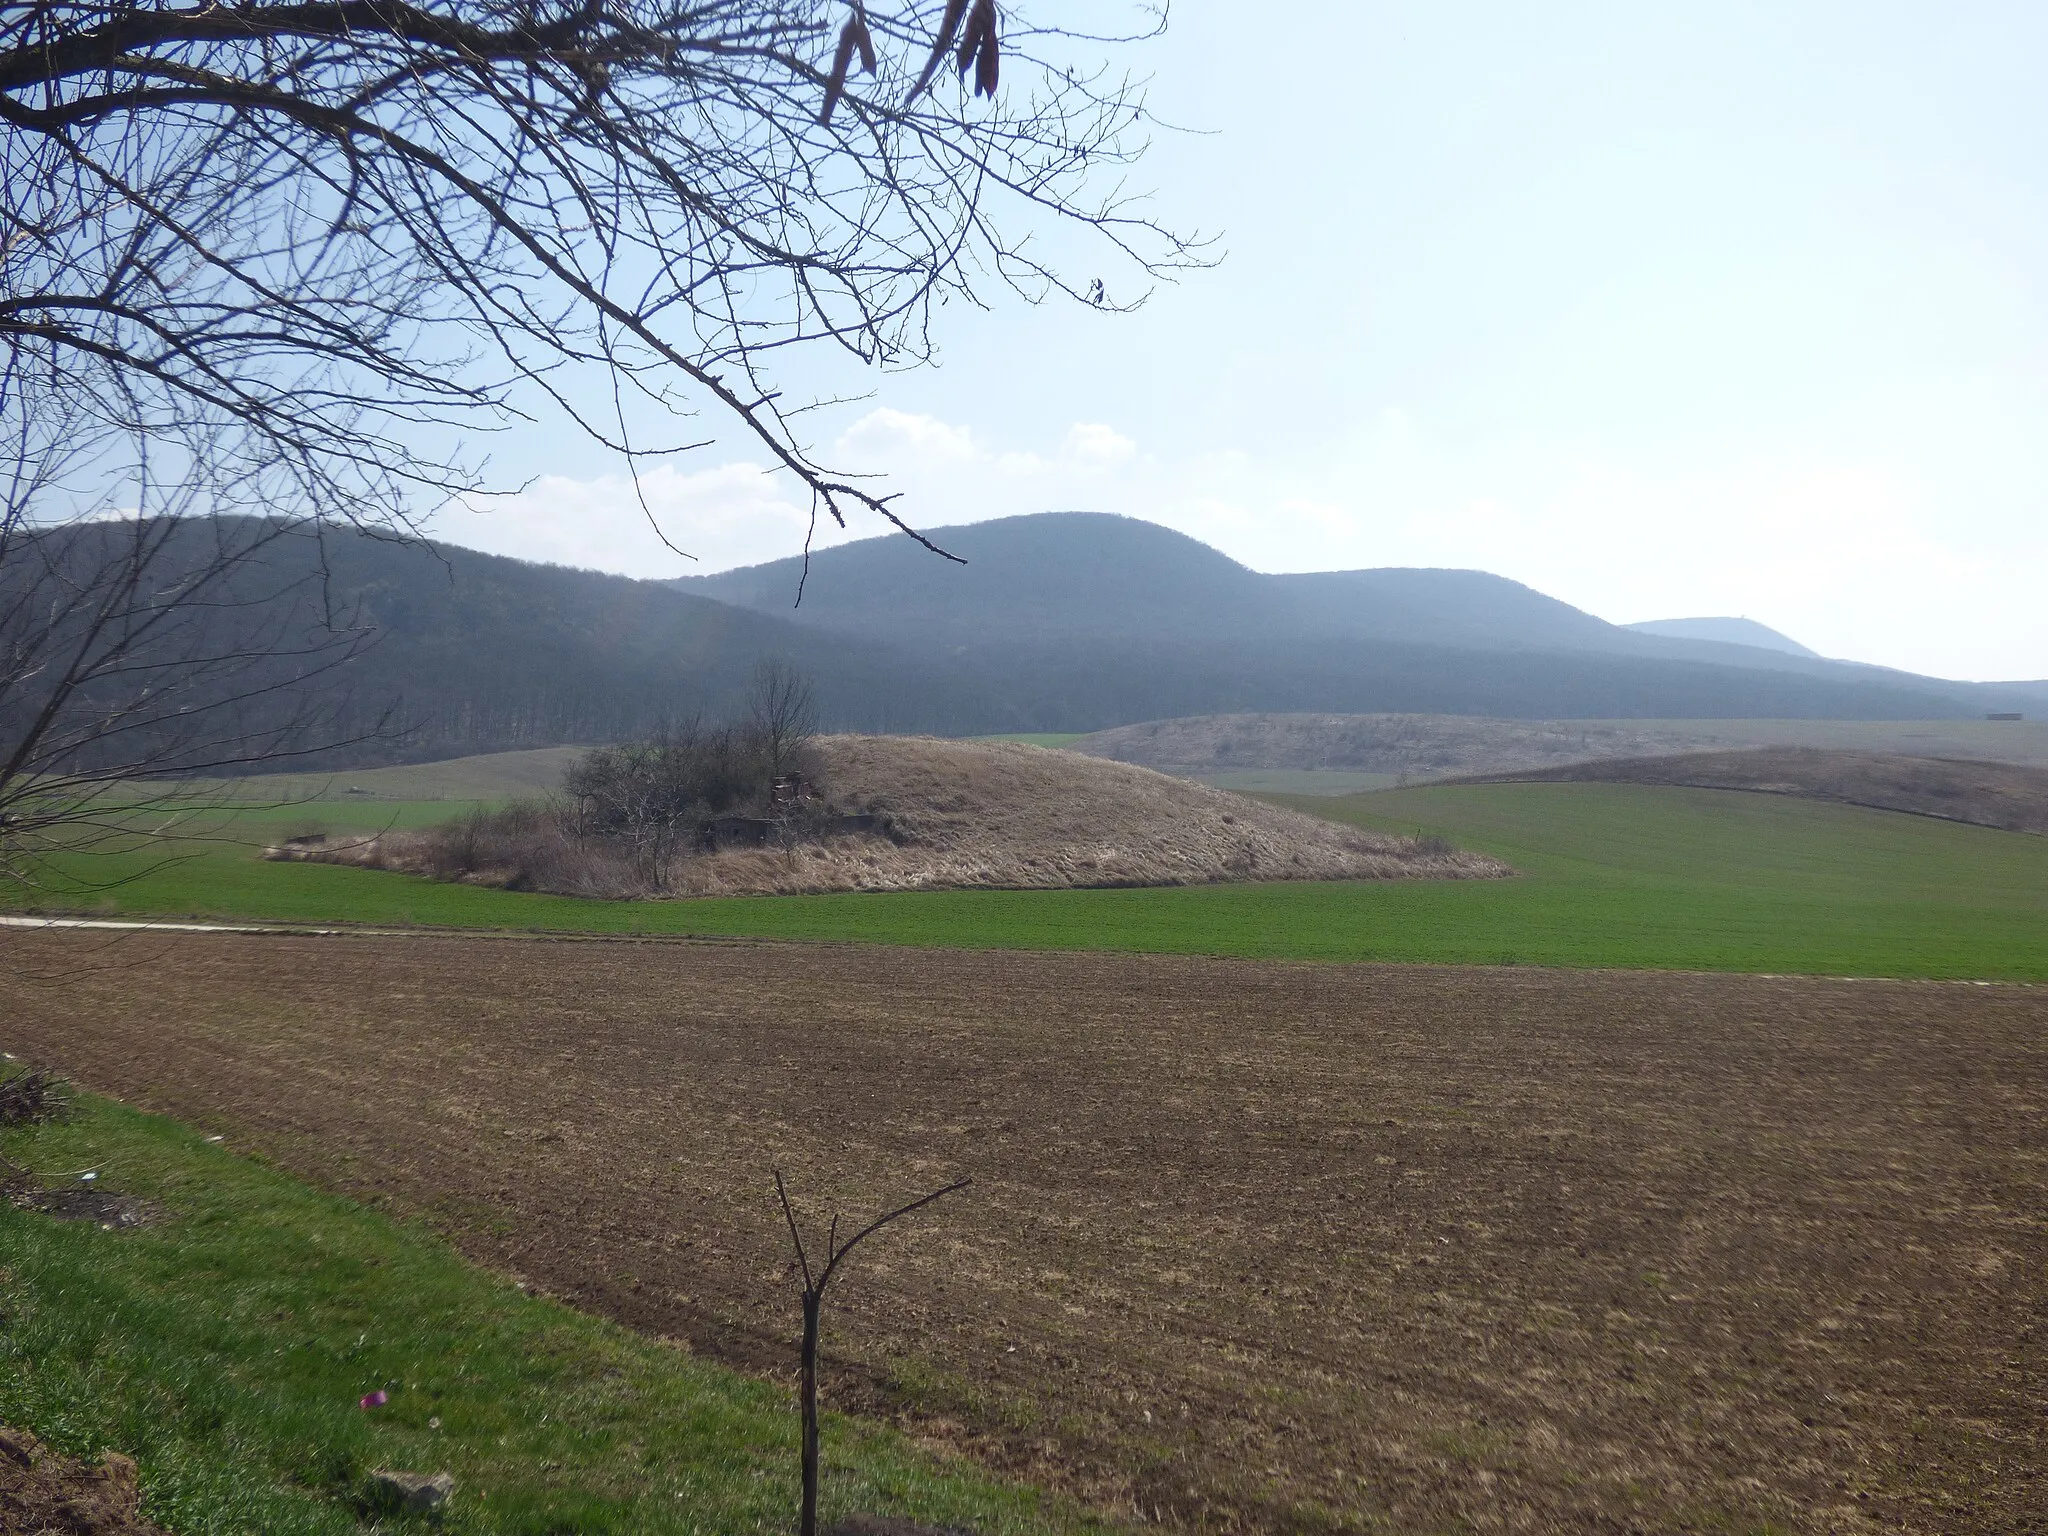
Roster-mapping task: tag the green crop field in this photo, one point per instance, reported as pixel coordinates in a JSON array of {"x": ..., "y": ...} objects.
[
  {"x": 1610, "y": 875},
  {"x": 226, "y": 1344}
]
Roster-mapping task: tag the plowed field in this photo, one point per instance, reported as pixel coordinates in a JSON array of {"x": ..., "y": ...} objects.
[{"x": 1250, "y": 1245}]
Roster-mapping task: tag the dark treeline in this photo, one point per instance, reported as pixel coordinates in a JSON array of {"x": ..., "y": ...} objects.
[{"x": 450, "y": 651}]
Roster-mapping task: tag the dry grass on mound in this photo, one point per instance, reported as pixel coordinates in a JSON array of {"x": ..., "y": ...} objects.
[
  {"x": 996, "y": 815},
  {"x": 1429, "y": 746},
  {"x": 2002, "y": 795}
]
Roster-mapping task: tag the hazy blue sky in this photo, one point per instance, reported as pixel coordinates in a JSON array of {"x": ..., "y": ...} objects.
[{"x": 1664, "y": 309}]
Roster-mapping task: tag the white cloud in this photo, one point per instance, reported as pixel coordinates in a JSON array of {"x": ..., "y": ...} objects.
[
  {"x": 733, "y": 514},
  {"x": 736, "y": 514},
  {"x": 1090, "y": 442},
  {"x": 901, "y": 441}
]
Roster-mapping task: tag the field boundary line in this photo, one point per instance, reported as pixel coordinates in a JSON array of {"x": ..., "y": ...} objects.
[
  {"x": 143, "y": 925},
  {"x": 772, "y": 941}
]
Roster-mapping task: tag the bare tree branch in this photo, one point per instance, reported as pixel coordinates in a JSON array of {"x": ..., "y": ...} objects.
[
  {"x": 339, "y": 229},
  {"x": 284, "y": 259}
]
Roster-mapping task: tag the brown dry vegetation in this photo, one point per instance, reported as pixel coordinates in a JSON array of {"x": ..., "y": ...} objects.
[
  {"x": 43, "y": 1493},
  {"x": 1423, "y": 746},
  {"x": 1251, "y": 1246},
  {"x": 2002, "y": 795},
  {"x": 960, "y": 814},
  {"x": 1431, "y": 746}
]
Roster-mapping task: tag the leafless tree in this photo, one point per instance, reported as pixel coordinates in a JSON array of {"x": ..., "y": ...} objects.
[
  {"x": 815, "y": 1283},
  {"x": 782, "y": 713},
  {"x": 284, "y": 258},
  {"x": 139, "y": 654},
  {"x": 306, "y": 240}
]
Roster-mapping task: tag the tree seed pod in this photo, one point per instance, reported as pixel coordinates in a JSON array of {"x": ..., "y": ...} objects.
[
  {"x": 835, "y": 86},
  {"x": 978, "y": 47},
  {"x": 970, "y": 41},
  {"x": 948, "y": 25},
  {"x": 986, "y": 66}
]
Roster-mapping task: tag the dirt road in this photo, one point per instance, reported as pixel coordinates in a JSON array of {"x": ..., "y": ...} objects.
[{"x": 1251, "y": 1245}]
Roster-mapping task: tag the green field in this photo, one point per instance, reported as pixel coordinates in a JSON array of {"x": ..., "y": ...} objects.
[
  {"x": 225, "y": 1348},
  {"x": 1610, "y": 875}
]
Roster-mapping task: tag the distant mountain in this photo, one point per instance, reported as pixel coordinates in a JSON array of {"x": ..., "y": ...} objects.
[
  {"x": 1728, "y": 631},
  {"x": 1044, "y": 601},
  {"x": 1090, "y": 576},
  {"x": 1055, "y": 576},
  {"x": 1063, "y": 622},
  {"x": 471, "y": 652},
  {"x": 1094, "y": 576},
  {"x": 486, "y": 653}
]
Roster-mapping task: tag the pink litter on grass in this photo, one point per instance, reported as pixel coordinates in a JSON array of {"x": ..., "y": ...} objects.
[{"x": 375, "y": 1399}]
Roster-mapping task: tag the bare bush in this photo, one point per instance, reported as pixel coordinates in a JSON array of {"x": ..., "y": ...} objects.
[
  {"x": 32, "y": 1096},
  {"x": 782, "y": 715}
]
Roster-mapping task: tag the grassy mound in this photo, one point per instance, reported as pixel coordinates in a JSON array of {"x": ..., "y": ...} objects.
[
  {"x": 2002, "y": 795},
  {"x": 1437, "y": 746},
  {"x": 944, "y": 815}
]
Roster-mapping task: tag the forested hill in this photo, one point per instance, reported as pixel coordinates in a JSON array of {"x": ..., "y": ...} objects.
[
  {"x": 1059, "y": 623},
  {"x": 488, "y": 653},
  {"x": 1188, "y": 620},
  {"x": 1733, "y": 631},
  {"x": 1094, "y": 577}
]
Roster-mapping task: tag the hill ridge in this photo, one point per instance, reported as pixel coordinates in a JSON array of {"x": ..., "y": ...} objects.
[{"x": 1131, "y": 623}]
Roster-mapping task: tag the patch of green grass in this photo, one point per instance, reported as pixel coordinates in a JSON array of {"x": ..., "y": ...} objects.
[
  {"x": 226, "y": 1348},
  {"x": 1637, "y": 875},
  {"x": 1611, "y": 875}
]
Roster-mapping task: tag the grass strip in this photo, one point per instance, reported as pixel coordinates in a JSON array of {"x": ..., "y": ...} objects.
[
  {"x": 225, "y": 1347},
  {"x": 1620, "y": 876}
]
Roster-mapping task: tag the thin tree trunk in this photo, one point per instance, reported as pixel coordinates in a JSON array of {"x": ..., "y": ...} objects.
[
  {"x": 814, "y": 1305},
  {"x": 808, "y": 1390}
]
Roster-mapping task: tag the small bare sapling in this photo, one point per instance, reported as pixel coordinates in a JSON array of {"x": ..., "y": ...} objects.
[{"x": 814, "y": 1299}]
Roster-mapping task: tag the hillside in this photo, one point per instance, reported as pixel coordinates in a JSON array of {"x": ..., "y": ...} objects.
[
  {"x": 1091, "y": 575},
  {"x": 1065, "y": 622},
  {"x": 950, "y": 815},
  {"x": 1727, "y": 632},
  {"x": 470, "y": 653},
  {"x": 1438, "y": 746},
  {"x": 1422, "y": 746},
  {"x": 2002, "y": 795},
  {"x": 1042, "y": 600}
]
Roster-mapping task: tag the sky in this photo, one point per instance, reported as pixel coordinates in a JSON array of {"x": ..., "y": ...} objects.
[{"x": 1667, "y": 311}]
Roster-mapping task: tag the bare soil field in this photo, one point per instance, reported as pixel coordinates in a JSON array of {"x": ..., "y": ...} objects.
[
  {"x": 2003, "y": 795},
  {"x": 946, "y": 815},
  {"x": 1250, "y": 1246}
]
